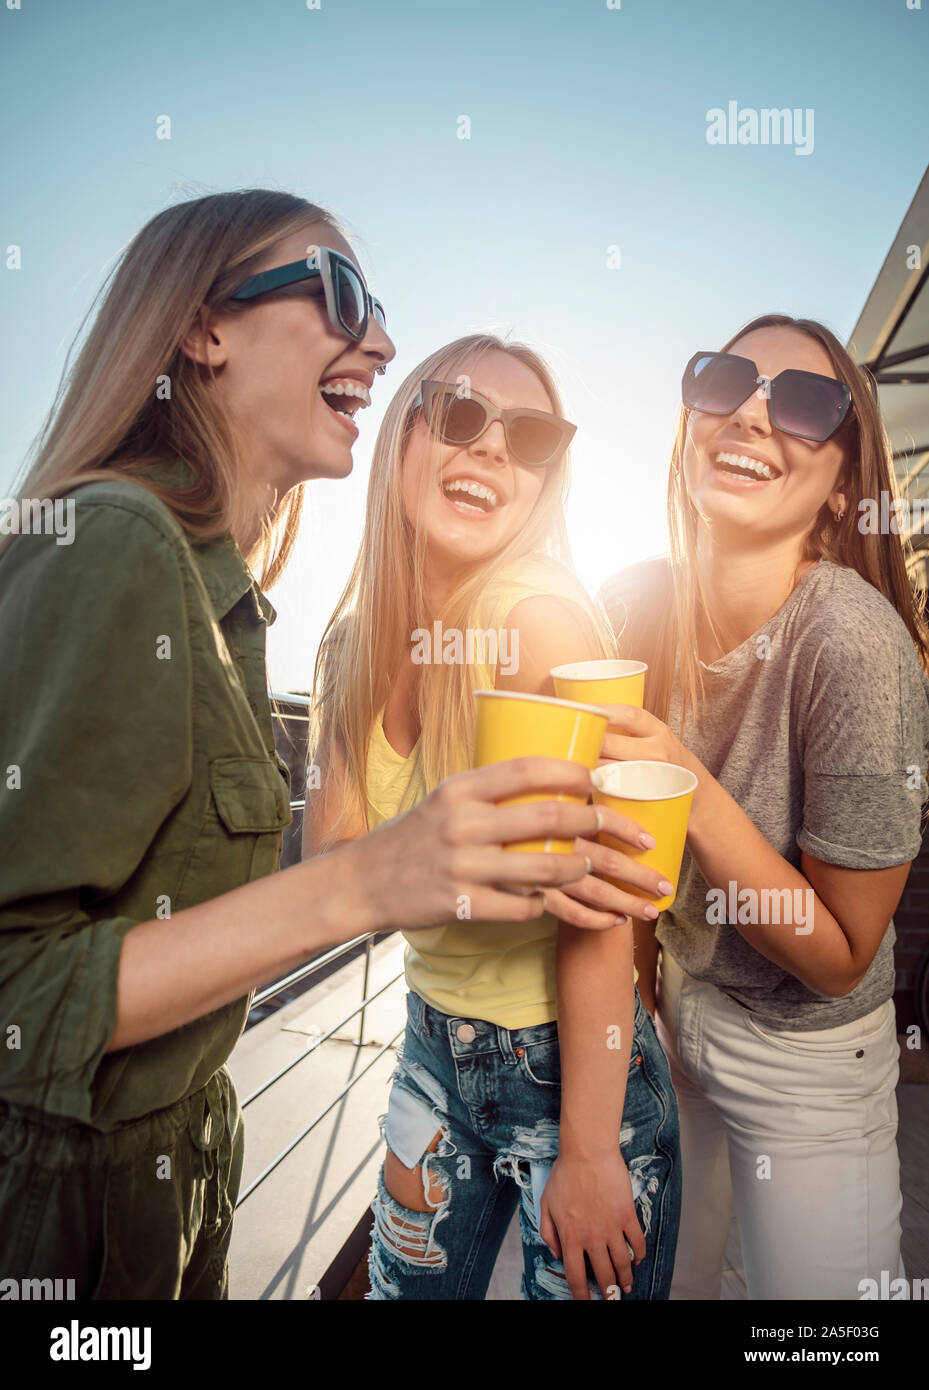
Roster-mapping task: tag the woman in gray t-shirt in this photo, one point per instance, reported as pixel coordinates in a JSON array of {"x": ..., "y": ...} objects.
[{"x": 787, "y": 668}]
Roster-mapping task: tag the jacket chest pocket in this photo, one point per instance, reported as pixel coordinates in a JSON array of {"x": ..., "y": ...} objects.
[{"x": 252, "y": 800}]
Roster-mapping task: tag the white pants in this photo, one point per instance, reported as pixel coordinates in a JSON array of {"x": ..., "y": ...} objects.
[{"x": 794, "y": 1134}]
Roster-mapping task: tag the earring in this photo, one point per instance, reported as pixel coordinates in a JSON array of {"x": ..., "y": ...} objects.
[{"x": 839, "y": 514}]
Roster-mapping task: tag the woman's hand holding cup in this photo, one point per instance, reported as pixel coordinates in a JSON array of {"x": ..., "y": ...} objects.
[
  {"x": 609, "y": 862},
  {"x": 446, "y": 860},
  {"x": 645, "y": 770},
  {"x": 633, "y": 733},
  {"x": 660, "y": 779}
]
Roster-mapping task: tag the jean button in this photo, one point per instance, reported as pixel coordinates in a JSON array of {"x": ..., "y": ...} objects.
[{"x": 465, "y": 1032}]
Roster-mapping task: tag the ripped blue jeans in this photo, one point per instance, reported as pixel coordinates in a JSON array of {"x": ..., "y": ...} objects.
[{"x": 494, "y": 1096}]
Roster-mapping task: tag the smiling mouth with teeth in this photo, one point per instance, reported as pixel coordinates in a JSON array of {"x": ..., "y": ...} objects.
[
  {"x": 744, "y": 466},
  {"x": 470, "y": 496},
  {"x": 344, "y": 395}
]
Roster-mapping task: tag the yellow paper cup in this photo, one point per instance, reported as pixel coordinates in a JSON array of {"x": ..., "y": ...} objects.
[
  {"x": 513, "y": 725},
  {"x": 658, "y": 796},
  {"x": 603, "y": 682}
]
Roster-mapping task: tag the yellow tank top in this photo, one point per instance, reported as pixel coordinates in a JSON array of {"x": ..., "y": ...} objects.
[{"x": 500, "y": 971}]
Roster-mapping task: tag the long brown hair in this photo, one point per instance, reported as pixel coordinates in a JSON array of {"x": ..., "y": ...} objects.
[
  {"x": 368, "y": 636},
  {"x": 662, "y": 630},
  {"x": 132, "y": 397}
]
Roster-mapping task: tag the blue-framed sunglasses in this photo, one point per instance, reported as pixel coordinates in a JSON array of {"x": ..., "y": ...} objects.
[{"x": 349, "y": 303}]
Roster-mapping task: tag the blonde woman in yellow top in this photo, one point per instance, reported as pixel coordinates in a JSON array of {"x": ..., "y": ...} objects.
[{"x": 463, "y": 581}]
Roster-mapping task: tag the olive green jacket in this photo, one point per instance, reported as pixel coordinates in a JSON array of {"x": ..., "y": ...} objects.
[{"x": 138, "y": 777}]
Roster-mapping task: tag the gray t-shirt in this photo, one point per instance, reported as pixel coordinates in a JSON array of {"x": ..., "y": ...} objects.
[{"x": 818, "y": 726}]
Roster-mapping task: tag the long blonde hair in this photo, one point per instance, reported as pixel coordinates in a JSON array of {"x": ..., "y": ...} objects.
[
  {"x": 368, "y": 636},
  {"x": 132, "y": 397},
  {"x": 663, "y": 630}
]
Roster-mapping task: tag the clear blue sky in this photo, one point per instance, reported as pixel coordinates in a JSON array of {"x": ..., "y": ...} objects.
[{"x": 588, "y": 130}]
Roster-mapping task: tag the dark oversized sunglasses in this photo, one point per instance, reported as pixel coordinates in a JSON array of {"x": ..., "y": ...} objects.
[
  {"x": 534, "y": 437},
  {"x": 801, "y": 403},
  {"x": 349, "y": 303}
]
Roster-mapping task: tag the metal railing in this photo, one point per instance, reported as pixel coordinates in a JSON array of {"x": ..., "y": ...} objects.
[
  {"x": 297, "y": 976},
  {"x": 305, "y": 702}
]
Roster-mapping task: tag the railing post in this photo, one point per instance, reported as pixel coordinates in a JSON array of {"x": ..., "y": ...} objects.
[{"x": 364, "y": 991}]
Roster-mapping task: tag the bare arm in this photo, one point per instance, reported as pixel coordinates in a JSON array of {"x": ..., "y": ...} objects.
[
  {"x": 587, "y": 1205},
  {"x": 843, "y": 913},
  {"x": 174, "y": 970},
  {"x": 595, "y": 1025},
  {"x": 552, "y": 632}
]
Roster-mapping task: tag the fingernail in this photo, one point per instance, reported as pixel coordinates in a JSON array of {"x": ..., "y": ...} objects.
[
  {"x": 627, "y": 1288},
  {"x": 664, "y": 887},
  {"x": 619, "y": 921},
  {"x": 599, "y": 819},
  {"x": 587, "y": 862},
  {"x": 651, "y": 912},
  {"x": 647, "y": 840}
]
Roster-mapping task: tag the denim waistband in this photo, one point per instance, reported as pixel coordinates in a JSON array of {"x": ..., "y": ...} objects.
[{"x": 480, "y": 1035}]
